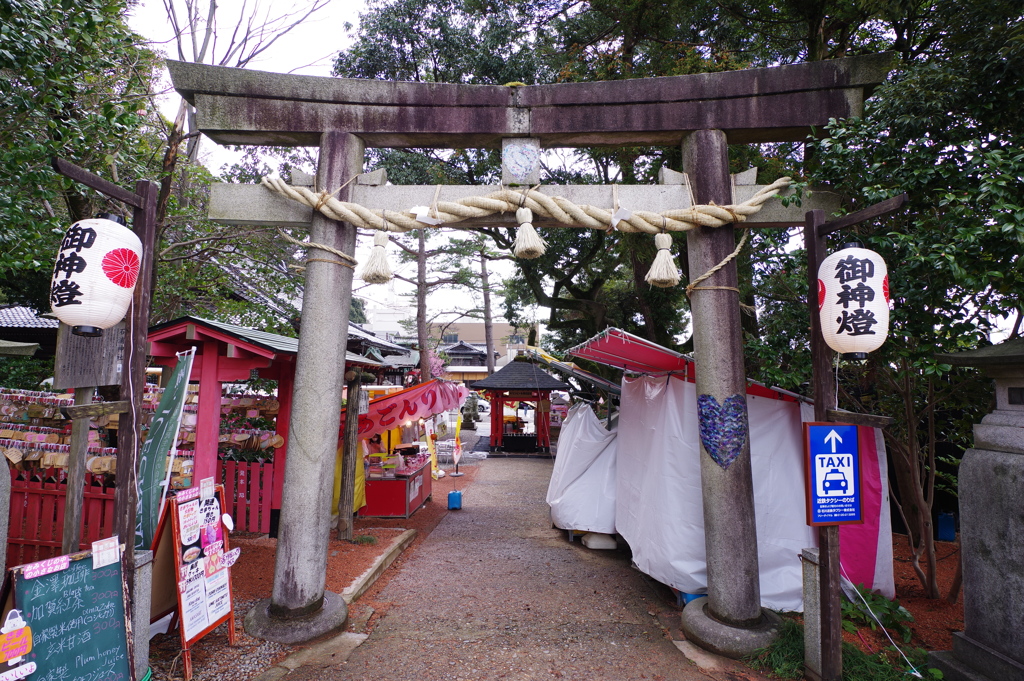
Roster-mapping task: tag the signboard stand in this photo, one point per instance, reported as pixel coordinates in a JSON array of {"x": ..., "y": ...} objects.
[
  {"x": 192, "y": 558},
  {"x": 73, "y": 609}
]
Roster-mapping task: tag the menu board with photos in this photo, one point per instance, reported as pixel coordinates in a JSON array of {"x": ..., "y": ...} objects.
[{"x": 192, "y": 545}]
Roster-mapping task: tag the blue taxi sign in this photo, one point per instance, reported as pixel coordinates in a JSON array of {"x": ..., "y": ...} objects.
[{"x": 832, "y": 461}]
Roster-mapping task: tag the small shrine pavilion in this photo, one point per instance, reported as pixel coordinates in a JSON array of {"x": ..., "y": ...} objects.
[
  {"x": 227, "y": 353},
  {"x": 520, "y": 381}
]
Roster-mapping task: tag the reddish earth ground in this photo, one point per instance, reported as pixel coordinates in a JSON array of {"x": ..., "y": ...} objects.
[
  {"x": 935, "y": 620},
  {"x": 252, "y": 580}
]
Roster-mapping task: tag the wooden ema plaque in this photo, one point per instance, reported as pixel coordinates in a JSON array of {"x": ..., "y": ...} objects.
[
  {"x": 75, "y": 620},
  {"x": 191, "y": 568}
]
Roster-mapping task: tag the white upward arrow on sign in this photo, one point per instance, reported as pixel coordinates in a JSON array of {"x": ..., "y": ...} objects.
[{"x": 833, "y": 437}]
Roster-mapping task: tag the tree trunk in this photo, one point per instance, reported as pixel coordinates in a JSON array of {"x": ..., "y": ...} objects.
[
  {"x": 422, "y": 334},
  {"x": 350, "y": 450},
  {"x": 488, "y": 326}
]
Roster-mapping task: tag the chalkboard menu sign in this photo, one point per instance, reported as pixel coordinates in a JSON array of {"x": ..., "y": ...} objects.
[{"x": 76, "y": 615}]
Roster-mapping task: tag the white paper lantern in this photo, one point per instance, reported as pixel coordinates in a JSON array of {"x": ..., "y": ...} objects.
[
  {"x": 95, "y": 274},
  {"x": 853, "y": 301}
]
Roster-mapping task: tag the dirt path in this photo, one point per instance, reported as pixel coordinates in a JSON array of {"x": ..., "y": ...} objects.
[{"x": 495, "y": 593}]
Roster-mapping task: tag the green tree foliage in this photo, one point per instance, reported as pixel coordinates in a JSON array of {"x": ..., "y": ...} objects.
[
  {"x": 24, "y": 373},
  {"x": 945, "y": 130},
  {"x": 73, "y": 83},
  {"x": 439, "y": 41}
]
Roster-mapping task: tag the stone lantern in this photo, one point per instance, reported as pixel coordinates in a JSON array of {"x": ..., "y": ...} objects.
[{"x": 991, "y": 488}]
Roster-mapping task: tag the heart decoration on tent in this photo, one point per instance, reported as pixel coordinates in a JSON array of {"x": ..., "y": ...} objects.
[{"x": 723, "y": 428}]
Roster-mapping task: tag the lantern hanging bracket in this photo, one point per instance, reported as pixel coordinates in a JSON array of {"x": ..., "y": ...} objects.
[
  {"x": 877, "y": 210},
  {"x": 96, "y": 182}
]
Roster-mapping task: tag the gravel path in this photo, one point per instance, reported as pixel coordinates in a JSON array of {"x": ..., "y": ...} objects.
[{"x": 495, "y": 593}]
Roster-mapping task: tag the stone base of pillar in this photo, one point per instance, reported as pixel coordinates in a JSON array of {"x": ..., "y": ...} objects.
[
  {"x": 973, "y": 661},
  {"x": 332, "y": 616},
  {"x": 724, "y": 639}
]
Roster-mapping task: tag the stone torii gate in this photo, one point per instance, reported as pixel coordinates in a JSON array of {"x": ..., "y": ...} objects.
[{"x": 704, "y": 113}]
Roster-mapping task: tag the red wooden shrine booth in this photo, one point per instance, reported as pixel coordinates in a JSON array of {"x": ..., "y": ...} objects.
[{"x": 520, "y": 381}]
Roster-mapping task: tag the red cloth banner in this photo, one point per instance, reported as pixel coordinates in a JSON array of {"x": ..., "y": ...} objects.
[{"x": 411, "y": 404}]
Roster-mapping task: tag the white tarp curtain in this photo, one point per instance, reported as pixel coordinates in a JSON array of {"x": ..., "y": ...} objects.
[
  {"x": 582, "y": 488},
  {"x": 659, "y": 511},
  {"x": 650, "y": 488}
]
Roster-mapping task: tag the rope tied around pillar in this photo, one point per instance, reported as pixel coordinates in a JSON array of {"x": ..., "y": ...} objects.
[
  {"x": 323, "y": 247},
  {"x": 729, "y": 258}
]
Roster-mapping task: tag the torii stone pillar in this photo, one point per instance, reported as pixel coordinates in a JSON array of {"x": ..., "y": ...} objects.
[
  {"x": 730, "y": 620},
  {"x": 300, "y": 609}
]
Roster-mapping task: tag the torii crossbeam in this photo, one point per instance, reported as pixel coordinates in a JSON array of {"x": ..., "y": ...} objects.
[{"x": 704, "y": 113}]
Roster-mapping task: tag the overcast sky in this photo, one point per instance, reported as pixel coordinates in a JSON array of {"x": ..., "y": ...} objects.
[{"x": 308, "y": 49}]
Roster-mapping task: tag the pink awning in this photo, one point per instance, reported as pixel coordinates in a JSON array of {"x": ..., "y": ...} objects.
[{"x": 617, "y": 348}]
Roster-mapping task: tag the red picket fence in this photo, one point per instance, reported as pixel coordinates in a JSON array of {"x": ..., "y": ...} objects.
[
  {"x": 247, "y": 491},
  {"x": 37, "y": 514},
  {"x": 37, "y": 508}
]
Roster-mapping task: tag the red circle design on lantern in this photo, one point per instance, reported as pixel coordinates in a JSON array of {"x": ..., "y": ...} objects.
[
  {"x": 121, "y": 266},
  {"x": 885, "y": 288},
  {"x": 821, "y": 294}
]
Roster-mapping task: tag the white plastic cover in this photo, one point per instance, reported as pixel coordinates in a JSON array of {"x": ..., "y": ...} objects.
[
  {"x": 582, "y": 488},
  {"x": 659, "y": 510}
]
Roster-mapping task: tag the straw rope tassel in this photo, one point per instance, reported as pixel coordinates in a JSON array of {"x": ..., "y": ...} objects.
[
  {"x": 663, "y": 272},
  {"x": 528, "y": 243},
  {"x": 377, "y": 269}
]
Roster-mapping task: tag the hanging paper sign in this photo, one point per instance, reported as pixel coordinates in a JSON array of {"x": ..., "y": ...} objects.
[
  {"x": 105, "y": 552},
  {"x": 422, "y": 214},
  {"x": 206, "y": 488},
  {"x": 231, "y": 557},
  {"x": 188, "y": 520}
]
